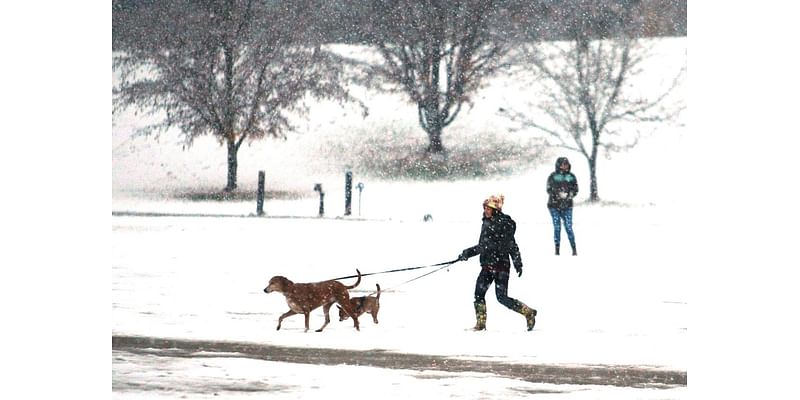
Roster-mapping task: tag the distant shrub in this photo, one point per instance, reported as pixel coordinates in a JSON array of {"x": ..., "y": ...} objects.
[
  {"x": 236, "y": 195},
  {"x": 397, "y": 153}
]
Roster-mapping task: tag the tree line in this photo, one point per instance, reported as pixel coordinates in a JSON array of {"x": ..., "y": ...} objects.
[
  {"x": 343, "y": 21},
  {"x": 236, "y": 68}
]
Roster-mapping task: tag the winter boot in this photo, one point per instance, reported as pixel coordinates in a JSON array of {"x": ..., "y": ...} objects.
[
  {"x": 557, "y": 246},
  {"x": 574, "y": 251},
  {"x": 480, "y": 317},
  {"x": 530, "y": 315}
]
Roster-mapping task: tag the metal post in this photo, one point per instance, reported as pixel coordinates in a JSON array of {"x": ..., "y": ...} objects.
[
  {"x": 318, "y": 188},
  {"x": 360, "y": 187},
  {"x": 348, "y": 192},
  {"x": 260, "y": 194}
]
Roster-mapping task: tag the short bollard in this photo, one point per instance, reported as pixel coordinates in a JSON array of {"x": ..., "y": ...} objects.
[
  {"x": 318, "y": 188},
  {"x": 260, "y": 194},
  {"x": 348, "y": 192}
]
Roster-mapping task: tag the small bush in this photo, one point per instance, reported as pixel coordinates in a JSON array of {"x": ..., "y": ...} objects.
[
  {"x": 390, "y": 153},
  {"x": 236, "y": 195}
]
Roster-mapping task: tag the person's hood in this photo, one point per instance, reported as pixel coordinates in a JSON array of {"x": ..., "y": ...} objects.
[{"x": 563, "y": 159}]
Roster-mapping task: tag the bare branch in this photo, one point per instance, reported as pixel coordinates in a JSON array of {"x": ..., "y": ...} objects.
[
  {"x": 587, "y": 99},
  {"x": 229, "y": 68},
  {"x": 436, "y": 53}
]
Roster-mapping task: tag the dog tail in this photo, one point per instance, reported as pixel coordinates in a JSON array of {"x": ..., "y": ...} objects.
[
  {"x": 379, "y": 292},
  {"x": 357, "y": 281}
]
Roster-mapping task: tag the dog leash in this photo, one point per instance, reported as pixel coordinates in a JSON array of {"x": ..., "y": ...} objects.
[
  {"x": 446, "y": 263},
  {"x": 443, "y": 266},
  {"x": 440, "y": 265}
]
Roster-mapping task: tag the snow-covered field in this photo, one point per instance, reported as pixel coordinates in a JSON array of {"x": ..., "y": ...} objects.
[
  {"x": 623, "y": 301},
  {"x": 736, "y": 243}
]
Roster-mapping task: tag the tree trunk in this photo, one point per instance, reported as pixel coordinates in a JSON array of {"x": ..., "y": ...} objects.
[
  {"x": 593, "y": 196},
  {"x": 432, "y": 106},
  {"x": 435, "y": 137},
  {"x": 233, "y": 166}
]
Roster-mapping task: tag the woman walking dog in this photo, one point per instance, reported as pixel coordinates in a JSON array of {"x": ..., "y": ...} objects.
[{"x": 496, "y": 246}]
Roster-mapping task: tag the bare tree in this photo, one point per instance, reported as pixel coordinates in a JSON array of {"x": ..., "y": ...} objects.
[
  {"x": 588, "y": 100},
  {"x": 438, "y": 53},
  {"x": 230, "y": 68}
]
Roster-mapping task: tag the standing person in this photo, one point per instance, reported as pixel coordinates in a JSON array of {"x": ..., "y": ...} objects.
[
  {"x": 562, "y": 186},
  {"x": 497, "y": 247}
]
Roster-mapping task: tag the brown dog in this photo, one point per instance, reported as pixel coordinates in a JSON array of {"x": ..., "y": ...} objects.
[
  {"x": 303, "y": 298},
  {"x": 364, "y": 304}
]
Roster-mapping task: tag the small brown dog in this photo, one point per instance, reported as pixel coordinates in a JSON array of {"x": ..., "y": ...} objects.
[
  {"x": 364, "y": 304},
  {"x": 303, "y": 298}
]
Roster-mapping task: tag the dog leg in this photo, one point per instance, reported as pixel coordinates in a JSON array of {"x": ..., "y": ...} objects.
[
  {"x": 375, "y": 316},
  {"x": 307, "y": 315},
  {"x": 287, "y": 314},
  {"x": 353, "y": 314},
  {"x": 344, "y": 302},
  {"x": 326, "y": 309},
  {"x": 355, "y": 322}
]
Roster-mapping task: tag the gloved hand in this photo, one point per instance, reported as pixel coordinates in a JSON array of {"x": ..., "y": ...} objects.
[
  {"x": 563, "y": 195},
  {"x": 463, "y": 256},
  {"x": 518, "y": 268}
]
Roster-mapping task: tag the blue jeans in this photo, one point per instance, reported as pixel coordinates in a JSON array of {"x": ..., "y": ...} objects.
[{"x": 558, "y": 216}]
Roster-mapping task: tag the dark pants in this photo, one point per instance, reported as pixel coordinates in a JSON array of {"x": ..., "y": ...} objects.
[{"x": 500, "y": 279}]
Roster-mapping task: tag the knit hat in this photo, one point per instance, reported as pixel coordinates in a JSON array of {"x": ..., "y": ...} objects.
[{"x": 495, "y": 202}]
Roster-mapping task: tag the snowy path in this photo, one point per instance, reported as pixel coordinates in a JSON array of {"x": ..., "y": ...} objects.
[{"x": 616, "y": 375}]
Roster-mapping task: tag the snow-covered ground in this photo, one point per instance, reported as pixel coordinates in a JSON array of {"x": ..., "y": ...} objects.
[
  {"x": 203, "y": 278},
  {"x": 736, "y": 155},
  {"x": 623, "y": 301}
]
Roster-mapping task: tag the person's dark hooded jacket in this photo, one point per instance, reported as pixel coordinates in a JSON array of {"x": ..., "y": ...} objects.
[
  {"x": 496, "y": 244},
  {"x": 562, "y": 186}
]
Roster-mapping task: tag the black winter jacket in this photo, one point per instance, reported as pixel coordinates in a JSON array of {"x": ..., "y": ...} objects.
[
  {"x": 561, "y": 182},
  {"x": 496, "y": 243}
]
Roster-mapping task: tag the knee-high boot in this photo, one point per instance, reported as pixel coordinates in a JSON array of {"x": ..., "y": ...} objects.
[
  {"x": 480, "y": 317},
  {"x": 529, "y": 313}
]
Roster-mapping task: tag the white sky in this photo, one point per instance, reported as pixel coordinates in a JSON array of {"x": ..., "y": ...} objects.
[{"x": 740, "y": 295}]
